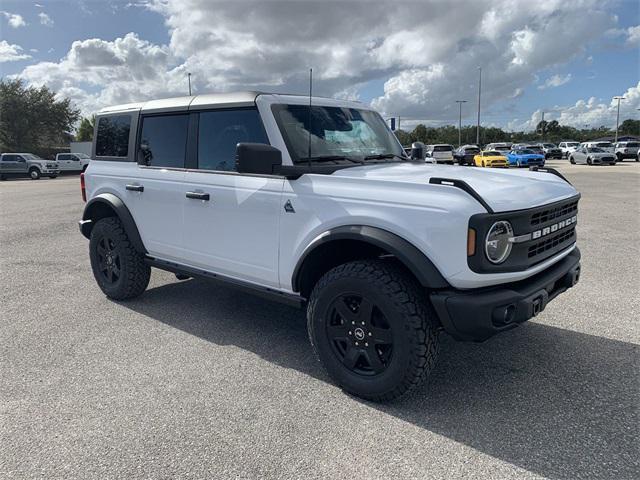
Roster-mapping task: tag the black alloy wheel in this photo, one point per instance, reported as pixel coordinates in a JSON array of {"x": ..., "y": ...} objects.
[
  {"x": 108, "y": 260},
  {"x": 360, "y": 335}
]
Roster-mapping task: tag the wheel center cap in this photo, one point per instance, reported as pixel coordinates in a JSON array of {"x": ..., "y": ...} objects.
[
  {"x": 358, "y": 333},
  {"x": 109, "y": 260}
]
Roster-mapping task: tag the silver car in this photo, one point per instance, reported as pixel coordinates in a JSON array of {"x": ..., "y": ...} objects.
[{"x": 592, "y": 156}]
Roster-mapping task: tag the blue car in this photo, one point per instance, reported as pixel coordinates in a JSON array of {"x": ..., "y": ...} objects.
[{"x": 524, "y": 158}]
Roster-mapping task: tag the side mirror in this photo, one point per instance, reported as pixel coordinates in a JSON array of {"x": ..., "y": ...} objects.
[
  {"x": 258, "y": 158},
  {"x": 417, "y": 151}
]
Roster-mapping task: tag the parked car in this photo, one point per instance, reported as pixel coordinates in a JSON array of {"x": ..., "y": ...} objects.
[
  {"x": 464, "y": 155},
  {"x": 550, "y": 150},
  {"x": 73, "y": 162},
  {"x": 490, "y": 158},
  {"x": 568, "y": 147},
  {"x": 27, "y": 165},
  {"x": 606, "y": 146},
  {"x": 503, "y": 147},
  {"x": 592, "y": 156},
  {"x": 524, "y": 158},
  {"x": 382, "y": 252},
  {"x": 441, "y": 153},
  {"x": 627, "y": 150},
  {"x": 536, "y": 147}
]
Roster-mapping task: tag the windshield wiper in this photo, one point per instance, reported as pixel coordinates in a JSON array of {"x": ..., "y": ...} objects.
[
  {"x": 327, "y": 158},
  {"x": 386, "y": 155}
]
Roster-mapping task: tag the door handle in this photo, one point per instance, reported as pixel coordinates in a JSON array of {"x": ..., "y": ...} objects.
[
  {"x": 198, "y": 196},
  {"x": 135, "y": 188}
]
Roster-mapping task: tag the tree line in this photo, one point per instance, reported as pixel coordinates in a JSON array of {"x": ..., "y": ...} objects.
[
  {"x": 545, "y": 131},
  {"x": 33, "y": 119}
]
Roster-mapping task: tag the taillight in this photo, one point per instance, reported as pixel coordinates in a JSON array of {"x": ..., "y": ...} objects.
[{"x": 82, "y": 188}]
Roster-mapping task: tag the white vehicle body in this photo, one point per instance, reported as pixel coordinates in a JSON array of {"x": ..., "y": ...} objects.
[
  {"x": 281, "y": 222},
  {"x": 500, "y": 147},
  {"x": 73, "y": 162},
  {"x": 440, "y": 153},
  {"x": 606, "y": 146},
  {"x": 592, "y": 156},
  {"x": 629, "y": 149},
  {"x": 568, "y": 147}
]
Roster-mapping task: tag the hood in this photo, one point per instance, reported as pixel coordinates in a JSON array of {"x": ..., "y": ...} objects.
[{"x": 503, "y": 190}]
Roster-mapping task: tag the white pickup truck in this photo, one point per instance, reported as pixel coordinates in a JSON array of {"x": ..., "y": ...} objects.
[
  {"x": 318, "y": 206},
  {"x": 73, "y": 162}
]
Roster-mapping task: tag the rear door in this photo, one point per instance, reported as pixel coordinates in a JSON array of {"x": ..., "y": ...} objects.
[
  {"x": 64, "y": 161},
  {"x": 8, "y": 164},
  {"x": 231, "y": 220}
]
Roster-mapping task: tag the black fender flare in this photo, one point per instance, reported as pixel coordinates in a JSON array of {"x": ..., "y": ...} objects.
[
  {"x": 94, "y": 210},
  {"x": 409, "y": 255}
]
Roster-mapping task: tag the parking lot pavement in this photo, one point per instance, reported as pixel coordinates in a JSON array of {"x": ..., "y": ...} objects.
[{"x": 196, "y": 381}]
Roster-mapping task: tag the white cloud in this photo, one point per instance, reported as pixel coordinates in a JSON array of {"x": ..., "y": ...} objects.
[
  {"x": 14, "y": 19},
  {"x": 11, "y": 52},
  {"x": 633, "y": 36},
  {"x": 428, "y": 52},
  {"x": 555, "y": 81},
  {"x": 45, "y": 19}
]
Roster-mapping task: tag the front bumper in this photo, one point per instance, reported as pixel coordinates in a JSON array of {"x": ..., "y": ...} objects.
[{"x": 476, "y": 315}]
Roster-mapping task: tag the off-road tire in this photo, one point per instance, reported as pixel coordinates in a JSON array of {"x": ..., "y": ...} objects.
[
  {"x": 411, "y": 320},
  {"x": 34, "y": 173},
  {"x": 134, "y": 272}
]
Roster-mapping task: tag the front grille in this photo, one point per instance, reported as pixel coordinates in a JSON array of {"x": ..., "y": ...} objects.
[
  {"x": 548, "y": 244},
  {"x": 547, "y": 215}
]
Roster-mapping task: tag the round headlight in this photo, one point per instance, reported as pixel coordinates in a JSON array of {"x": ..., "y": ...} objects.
[{"x": 497, "y": 245}]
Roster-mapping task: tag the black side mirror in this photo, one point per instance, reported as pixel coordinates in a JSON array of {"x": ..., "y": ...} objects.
[
  {"x": 417, "y": 151},
  {"x": 258, "y": 158}
]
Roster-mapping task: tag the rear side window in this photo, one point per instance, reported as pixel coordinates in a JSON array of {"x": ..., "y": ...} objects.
[
  {"x": 220, "y": 131},
  {"x": 163, "y": 140},
  {"x": 113, "y": 136}
]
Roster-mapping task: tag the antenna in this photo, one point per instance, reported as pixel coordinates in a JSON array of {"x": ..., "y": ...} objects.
[{"x": 309, "y": 122}]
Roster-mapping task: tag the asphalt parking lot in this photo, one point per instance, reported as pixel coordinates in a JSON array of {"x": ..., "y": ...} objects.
[{"x": 196, "y": 381}]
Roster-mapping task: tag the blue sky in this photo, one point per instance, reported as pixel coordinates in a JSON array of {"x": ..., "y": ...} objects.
[{"x": 127, "y": 51}]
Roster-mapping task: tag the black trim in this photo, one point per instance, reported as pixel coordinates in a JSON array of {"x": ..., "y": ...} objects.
[
  {"x": 523, "y": 222},
  {"x": 476, "y": 315},
  {"x": 191, "y": 160},
  {"x": 265, "y": 292},
  {"x": 553, "y": 171},
  {"x": 112, "y": 202},
  {"x": 412, "y": 258},
  {"x": 462, "y": 185}
]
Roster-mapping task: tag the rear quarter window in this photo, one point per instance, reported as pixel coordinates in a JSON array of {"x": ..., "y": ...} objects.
[{"x": 112, "y": 139}]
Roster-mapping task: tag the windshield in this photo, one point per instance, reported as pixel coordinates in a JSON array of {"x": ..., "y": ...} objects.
[
  {"x": 595, "y": 150},
  {"x": 492, "y": 153},
  {"x": 502, "y": 147},
  {"x": 525, "y": 152},
  {"x": 337, "y": 133},
  {"x": 31, "y": 156},
  {"x": 442, "y": 148}
]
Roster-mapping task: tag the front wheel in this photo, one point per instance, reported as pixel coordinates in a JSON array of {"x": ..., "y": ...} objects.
[
  {"x": 589, "y": 161},
  {"x": 372, "y": 329},
  {"x": 34, "y": 174},
  {"x": 572, "y": 160},
  {"x": 119, "y": 269}
]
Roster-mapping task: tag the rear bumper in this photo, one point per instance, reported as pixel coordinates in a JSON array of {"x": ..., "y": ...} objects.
[{"x": 476, "y": 315}]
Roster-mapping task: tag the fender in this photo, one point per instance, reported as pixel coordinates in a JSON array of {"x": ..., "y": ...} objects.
[
  {"x": 102, "y": 206},
  {"x": 412, "y": 258}
]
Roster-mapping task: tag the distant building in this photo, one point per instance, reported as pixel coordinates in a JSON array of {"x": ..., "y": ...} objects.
[{"x": 80, "y": 147}]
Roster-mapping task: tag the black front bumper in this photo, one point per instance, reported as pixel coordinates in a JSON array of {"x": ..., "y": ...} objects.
[{"x": 476, "y": 315}]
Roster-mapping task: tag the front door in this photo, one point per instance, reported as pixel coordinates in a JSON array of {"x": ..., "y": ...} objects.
[
  {"x": 64, "y": 162},
  {"x": 231, "y": 221}
]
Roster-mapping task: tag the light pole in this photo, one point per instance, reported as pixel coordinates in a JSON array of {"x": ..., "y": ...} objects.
[
  {"x": 460, "y": 102},
  {"x": 189, "y": 77},
  {"x": 479, "y": 93},
  {"x": 617, "y": 116}
]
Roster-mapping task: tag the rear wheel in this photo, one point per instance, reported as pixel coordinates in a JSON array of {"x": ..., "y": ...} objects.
[
  {"x": 589, "y": 162},
  {"x": 371, "y": 327},
  {"x": 119, "y": 269},
  {"x": 572, "y": 160},
  {"x": 34, "y": 173}
]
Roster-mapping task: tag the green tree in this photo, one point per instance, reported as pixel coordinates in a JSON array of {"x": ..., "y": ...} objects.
[
  {"x": 629, "y": 127},
  {"x": 32, "y": 119},
  {"x": 85, "y": 130}
]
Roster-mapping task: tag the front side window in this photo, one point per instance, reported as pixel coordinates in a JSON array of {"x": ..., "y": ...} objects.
[
  {"x": 163, "y": 140},
  {"x": 113, "y": 136},
  {"x": 64, "y": 156},
  {"x": 335, "y": 134},
  {"x": 220, "y": 131}
]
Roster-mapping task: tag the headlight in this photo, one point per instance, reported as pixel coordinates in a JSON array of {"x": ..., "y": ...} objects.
[{"x": 497, "y": 245}]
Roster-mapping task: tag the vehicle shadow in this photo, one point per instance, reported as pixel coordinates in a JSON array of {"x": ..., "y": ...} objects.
[{"x": 555, "y": 402}]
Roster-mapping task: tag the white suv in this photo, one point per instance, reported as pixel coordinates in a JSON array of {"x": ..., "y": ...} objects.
[
  {"x": 319, "y": 207},
  {"x": 567, "y": 147},
  {"x": 627, "y": 150}
]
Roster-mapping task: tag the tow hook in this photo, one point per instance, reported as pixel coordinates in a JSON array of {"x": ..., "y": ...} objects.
[{"x": 537, "y": 306}]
